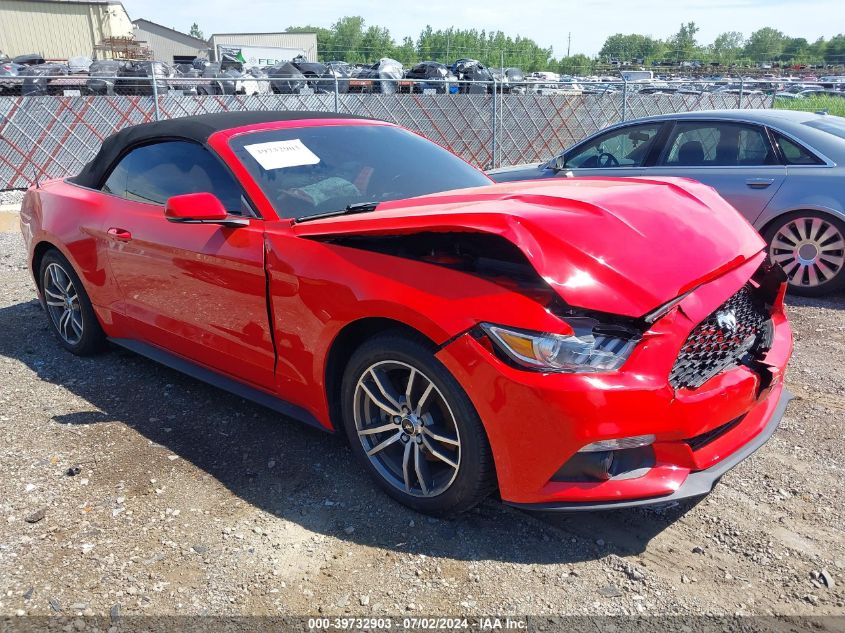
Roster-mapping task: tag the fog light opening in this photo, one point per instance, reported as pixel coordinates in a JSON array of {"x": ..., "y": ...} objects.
[{"x": 597, "y": 466}]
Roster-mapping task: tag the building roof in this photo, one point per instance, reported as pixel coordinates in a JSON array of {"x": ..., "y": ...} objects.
[
  {"x": 268, "y": 33},
  {"x": 192, "y": 128},
  {"x": 199, "y": 41}
]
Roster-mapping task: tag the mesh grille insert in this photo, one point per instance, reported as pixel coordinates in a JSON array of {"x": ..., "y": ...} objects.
[{"x": 741, "y": 326}]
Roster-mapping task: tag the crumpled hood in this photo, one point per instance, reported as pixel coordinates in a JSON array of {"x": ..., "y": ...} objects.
[{"x": 623, "y": 246}]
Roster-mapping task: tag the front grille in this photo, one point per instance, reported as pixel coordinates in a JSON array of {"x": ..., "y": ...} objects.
[{"x": 740, "y": 327}]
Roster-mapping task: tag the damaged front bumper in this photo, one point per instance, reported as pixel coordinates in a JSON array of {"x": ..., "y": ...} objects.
[
  {"x": 696, "y": 484},
  {"x": 537, "y": 422}
]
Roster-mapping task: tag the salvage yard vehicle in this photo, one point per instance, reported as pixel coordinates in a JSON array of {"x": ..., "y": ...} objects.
[
  {"x": 101, "y": 76},
  {"x": 286, "y": 79},
  {"x": 9, "y": 70},
  {"x": 137, "y": 78},
  {"x": 39, "y": 79},
  {"x": 546, "y": 339},
  {"x": 431, "y": 76},
  {"x": 474, "y": 77},
  {"x": 383, "y": 77},
  {"x": 783, "y": 170}
]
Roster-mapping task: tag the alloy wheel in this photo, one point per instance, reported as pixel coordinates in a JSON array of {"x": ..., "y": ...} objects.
[
  {"x": 63, "y": 304},
  {"x": 810, "y": 250},
  {"x": 407, "y": 428}
]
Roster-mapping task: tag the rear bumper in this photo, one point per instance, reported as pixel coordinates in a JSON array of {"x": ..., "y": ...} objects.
[{"x": 697, "y": 484}]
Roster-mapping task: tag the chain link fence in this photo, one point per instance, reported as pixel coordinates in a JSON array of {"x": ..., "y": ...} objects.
[{"x": 54, "y": 136}]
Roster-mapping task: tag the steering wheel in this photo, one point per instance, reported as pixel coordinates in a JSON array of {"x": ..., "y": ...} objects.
[{"x": 606, "y": 159}]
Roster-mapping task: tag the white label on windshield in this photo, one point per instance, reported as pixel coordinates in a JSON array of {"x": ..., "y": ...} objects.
[{"x": 281, "y": 154}]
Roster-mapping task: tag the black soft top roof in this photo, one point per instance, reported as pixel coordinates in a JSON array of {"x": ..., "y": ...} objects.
[{"x": 193, "y": 128}]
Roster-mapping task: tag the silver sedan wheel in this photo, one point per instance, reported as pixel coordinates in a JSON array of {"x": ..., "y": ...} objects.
[
  {"x": 62, "y": 301},
  {"x": 407, "y": 428},
  {"x": 810, "y": 250}
]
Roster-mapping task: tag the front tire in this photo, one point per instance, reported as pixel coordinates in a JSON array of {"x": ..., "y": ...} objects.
[
  {"x": 810, "y": 247},
  {"x": 414, "y": 428},
  {"x": 68, "y": 307}
]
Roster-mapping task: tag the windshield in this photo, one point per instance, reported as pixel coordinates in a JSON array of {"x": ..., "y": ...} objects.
[
  {"x": 311, "y": 170},
  {"x": 831, "y": 124}
]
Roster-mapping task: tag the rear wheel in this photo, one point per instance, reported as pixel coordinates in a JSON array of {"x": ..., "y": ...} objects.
[
  {"x": 414, "y": 429},
  {"x": 71, "y": 315},
  {"x": 810, "y": 247}
]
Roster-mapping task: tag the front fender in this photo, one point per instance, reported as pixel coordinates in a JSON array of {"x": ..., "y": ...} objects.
[{"x": 316, "y": 289}]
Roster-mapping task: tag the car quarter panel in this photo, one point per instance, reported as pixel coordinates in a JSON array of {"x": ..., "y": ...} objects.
[
  {"x": 71, "y": 219},
  {"x": 807, "y": 188}
]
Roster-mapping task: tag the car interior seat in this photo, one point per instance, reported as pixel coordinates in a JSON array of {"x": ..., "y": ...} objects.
[{"x": 691, "y": 153}]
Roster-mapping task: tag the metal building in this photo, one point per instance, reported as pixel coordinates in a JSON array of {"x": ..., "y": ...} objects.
[
  {"x": 306, "y": 42},
  {"x": 59, "y": 29},
  {"x": 169, "y": 45}
]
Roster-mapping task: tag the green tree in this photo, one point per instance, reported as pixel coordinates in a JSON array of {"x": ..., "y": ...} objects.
[
  {"x": 577, "y": 64},
  {"x": 492, "y": 49},
  {"x": 195, "y": 31},
  {"x": 376, "y": 43},
  {"x": 835, "y": 50},
  {"x": 727, "y": 46},
  {"x": 324, "y": 40},
  {"x": 406, "y": 52},
  {"x": 765, "y": 45},
  {"x": 629, "y": 47},
  {"x": 795, "y": 49},
  {"x": 683, "y": 45},
  {"x": 347, "y": 39},
  {"x": 817, "y": 50}
]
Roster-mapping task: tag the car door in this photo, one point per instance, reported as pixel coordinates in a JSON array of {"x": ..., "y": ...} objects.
[
  {"x": 737, "y": 159},
  {"x": 198, "y": 290},
  {"x": 616, "y": 153}
]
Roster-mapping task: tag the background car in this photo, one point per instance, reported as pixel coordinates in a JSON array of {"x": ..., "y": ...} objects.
[{"x": 783, "y": 170}]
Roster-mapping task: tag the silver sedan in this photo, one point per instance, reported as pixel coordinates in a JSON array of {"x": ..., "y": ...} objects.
[{"x": 783, "y": 170}]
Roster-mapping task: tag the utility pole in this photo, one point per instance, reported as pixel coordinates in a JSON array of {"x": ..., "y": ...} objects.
[
  {"x": 568, "y": 43},
  {"x": 448, "y": 44}
]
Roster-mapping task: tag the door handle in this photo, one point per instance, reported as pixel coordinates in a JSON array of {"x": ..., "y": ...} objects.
[
  {"x": 120, "y": 234},
  {"x": 759, "y": 183}
]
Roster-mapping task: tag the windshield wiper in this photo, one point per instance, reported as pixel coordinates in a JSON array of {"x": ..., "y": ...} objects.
[{"x": 355, "y": 207}]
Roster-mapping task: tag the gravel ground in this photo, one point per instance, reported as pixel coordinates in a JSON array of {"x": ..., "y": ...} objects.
[
  {"x": 191, "y": 501},
  {"x": 11, "y": 196}
]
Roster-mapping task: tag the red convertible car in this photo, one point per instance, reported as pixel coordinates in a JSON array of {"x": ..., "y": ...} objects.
[{"x": 578, "y": 344}]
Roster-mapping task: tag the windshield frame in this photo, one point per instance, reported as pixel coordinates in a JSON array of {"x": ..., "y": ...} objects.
[{"x": 222, "y": 143}]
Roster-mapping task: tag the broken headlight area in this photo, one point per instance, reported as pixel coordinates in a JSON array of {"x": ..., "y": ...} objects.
[{"x": 590, "y": 347}]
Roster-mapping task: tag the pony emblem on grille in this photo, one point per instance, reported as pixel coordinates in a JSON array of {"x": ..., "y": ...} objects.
[{"x": 726, "y": 320}]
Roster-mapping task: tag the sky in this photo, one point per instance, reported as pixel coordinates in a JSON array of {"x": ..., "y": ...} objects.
[{"x": 548, "y": 22}]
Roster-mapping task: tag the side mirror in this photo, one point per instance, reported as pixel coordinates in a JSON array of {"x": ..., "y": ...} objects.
[
  {"x": 200, "y": 208},
  {"x": 558, "y": 163}
]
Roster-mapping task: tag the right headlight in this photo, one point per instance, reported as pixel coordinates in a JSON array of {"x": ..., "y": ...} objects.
[{"x": 583, "y": 351}]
